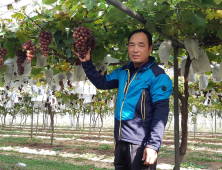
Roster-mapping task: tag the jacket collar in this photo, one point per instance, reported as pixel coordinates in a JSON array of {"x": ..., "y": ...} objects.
[{"x": 144, "y": 66}]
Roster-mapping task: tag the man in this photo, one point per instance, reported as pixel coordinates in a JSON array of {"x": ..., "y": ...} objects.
[{"x": 142, "y": 103}]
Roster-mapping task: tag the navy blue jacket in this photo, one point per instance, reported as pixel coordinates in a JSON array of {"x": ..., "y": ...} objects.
[{"x": 142, "y": 104}]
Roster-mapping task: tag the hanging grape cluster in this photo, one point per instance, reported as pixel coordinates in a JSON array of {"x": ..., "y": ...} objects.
[
  {"x": 21, "y": 55},
  {"x": 77, "y": 61},
  {"x": 30, "y": 50},
  {"x": 62, "y": 85},
  {"x": 3, "y": 52},
  {"x": 84, "y": 40},
  {"x": 69, "y": 83},
  {"x": 45, "y": 39}
]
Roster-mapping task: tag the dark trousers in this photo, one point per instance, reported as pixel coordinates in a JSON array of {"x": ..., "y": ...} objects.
[{"x": 129, "y": 157}]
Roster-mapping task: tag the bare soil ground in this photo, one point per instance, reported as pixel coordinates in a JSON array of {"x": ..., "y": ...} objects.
[{"x": 75, "y": 146}]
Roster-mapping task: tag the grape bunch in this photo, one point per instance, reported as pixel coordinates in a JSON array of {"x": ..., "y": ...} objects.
[
  {"x": 21, "y": 55},
  {"x": 30, "y": 50},
  {"x": 62, "y": 85},
  {"x": 3, "y": 52},
  {"x": 69, "y": 83},
  {"x": 84, "y": 40},
  {"x": 77, "y": 61},
  {"x": 45, "y": 39}
]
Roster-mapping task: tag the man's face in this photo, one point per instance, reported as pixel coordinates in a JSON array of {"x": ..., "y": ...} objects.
[{"x": 138, "y": 49}]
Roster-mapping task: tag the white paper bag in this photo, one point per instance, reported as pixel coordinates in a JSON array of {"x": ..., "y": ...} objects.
[
  {"x": 92, "y": 89},
  {"x": 87, "y": 99},
  {"x": 203, "y": 82},
  {"x": 220, "y": 70},
  {"x": 194, "y": 109},
  {"x": 79, "y": 88},
  {"x": 10, "y": 65},
  {"x": 216, "y": 74},
  {"x": 78, "y": 73},
  {"x": 39, "y": 98},
  {"x": 9, "y": 104},
  {"x": 202, "y": 64},
  {"x": 192, "y": 78},
  {"x": 41, "y": 61},
  {"x": 49, "y": 76},
  {"x": 110, "y": 103},
  {"x": 208, "y": 102},
  {"x": 86, "y": 89},
  {"x": 165, "y": 51},
  {"x": 192, "y": 46}
]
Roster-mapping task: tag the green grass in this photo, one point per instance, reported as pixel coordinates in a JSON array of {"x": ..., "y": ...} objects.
[
  {"x": 14, "y": 139},
  {"x": 164, "y": 152},
  {"x": 205, "y": 145},
  {"x": 193, "y": 165},
  {"x": 9, "y": 162},
  {"x": 104, "y": 147},
  {"x": 57, "y": 149}
]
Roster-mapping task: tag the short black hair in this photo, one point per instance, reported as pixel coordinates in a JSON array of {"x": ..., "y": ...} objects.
[{"x": 149, "y": 36}]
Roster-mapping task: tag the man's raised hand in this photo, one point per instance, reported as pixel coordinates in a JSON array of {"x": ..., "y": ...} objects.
[{"x": 87, "y": 58}]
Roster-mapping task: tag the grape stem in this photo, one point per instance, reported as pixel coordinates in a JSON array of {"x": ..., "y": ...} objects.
[
  {"x": 55, "y": 52},
  {"x": 33, "y": 21},
  {"x": 26, "y": 35}
]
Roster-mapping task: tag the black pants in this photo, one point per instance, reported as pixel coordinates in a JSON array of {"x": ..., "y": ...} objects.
[{"x": 129, "y": 157}]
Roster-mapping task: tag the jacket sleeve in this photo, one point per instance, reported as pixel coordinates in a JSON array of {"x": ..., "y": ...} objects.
[
  {"x": 160, "y": 91},
  {"x": 109, "y": 81}
]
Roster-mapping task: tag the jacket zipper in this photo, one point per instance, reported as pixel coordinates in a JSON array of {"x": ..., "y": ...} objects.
[
  {"x": 125, "y": 91},
  {"x": 143, "y": 104}
]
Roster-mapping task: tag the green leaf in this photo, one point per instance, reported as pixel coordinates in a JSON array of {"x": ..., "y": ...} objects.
[
  {"x": 61, "y": 26},
  {"x": 59, "y": 35},
  {"x": 61, "y": 45},
  {"x": 139, "y": 5},
  {"x": 208, "y": 3},
  {"x": 48, "y": 1},
  {"x": 208, "y": 73},
  {"x": 18, "y": 16},
  {"x": 68, "y": 53},
  {"x": 70, "y": 39},
  {"x": 219, "y": 32},
  {"x": 35, "y": 71},
  {"x": 198, "y": 3},
  {"x": 183, "y": 4},
  {"x": 212, "y": 56},
  {"x": 198, "y": 19},
  {"x": 2, "y": 33},
  {"x": 89, "y": 4}
]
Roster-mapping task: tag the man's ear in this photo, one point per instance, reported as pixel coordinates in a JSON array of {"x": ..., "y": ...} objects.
[{"x": 150, "y": 49}]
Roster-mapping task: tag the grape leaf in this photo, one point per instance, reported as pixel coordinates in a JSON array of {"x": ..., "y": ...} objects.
[
  {"x": 59, "y": 35},
  {"x": 70, "y": 39},
  {"x": 198, "y": 19},
  {"x": 61, "y": 45},
  {"x": 198, "y": 3},
  {"x": 18, "y": 16},
  {"x": 61, "y": 26},
  {"x": 219, "y": 33},
  {"x": 48, "y": 1},
  {"x": 35, "y": 71},
  {"x": 68, "y": 53},
  {"x": 2, "y": 33},
  {"x": 208, "y": 3},
  {"x": 89, "y": 4}
]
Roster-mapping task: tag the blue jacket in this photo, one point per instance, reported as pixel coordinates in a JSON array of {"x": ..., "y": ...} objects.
[{"x": 142, "y": 104}]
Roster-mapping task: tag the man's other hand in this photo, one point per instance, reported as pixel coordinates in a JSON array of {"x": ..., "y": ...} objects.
[
  {"x": 149, "y": 156},
  {"x": 87, "y": 58}
]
